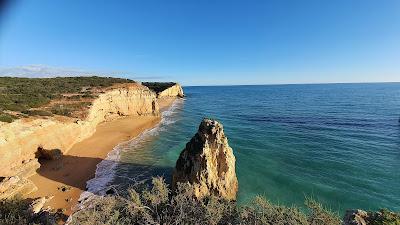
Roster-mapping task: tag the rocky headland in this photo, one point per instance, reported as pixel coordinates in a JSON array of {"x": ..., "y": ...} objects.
[
  {"x": 26, "y": 140},
  {"x": 21, "y": 139},
  {"x": 173, "y": 91}
]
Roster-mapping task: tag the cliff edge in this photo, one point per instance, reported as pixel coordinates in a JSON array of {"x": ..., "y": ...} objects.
[
  {"x": 173, "y": 91},
  {"x": 23, "y": 141},
  {"x": 208, "y": 163},
  {"x": 165, "y": 90}
]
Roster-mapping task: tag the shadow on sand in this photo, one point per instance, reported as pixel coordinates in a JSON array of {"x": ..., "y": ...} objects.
[{"x": 75, "y": 171}]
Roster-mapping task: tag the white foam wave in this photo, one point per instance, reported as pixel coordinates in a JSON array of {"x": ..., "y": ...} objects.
[{"x": 105, "y": 171}]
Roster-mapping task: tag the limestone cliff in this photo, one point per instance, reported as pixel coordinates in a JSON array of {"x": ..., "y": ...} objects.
[
  {"x": 174, "y": 91},
  {"x": 208, "y": 163},
  {"x": 20, "y": 140}
]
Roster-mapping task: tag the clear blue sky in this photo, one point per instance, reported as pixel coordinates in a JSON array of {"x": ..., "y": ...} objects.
[{"x": 209, "y": 42}]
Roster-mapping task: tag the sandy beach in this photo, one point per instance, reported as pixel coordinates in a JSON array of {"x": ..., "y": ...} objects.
[{"x": 79, "y": 164}]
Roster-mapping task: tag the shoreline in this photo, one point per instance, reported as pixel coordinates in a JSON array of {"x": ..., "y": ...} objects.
[{"x": 79, "y": 164}]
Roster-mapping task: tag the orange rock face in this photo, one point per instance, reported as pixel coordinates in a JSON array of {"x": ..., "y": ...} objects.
[{"x": 20, "y": 140}]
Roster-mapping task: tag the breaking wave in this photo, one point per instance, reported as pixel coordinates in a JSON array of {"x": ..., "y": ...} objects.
[{"x": 105, "y": 171}]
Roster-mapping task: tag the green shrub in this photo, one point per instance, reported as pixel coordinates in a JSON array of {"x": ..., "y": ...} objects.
[
  {"x": 74, "y": 97},
  {"x": 68, "y": 109},
  {"x": 4, "y": 117},
  {"x": 61, "y": 110},
  {"x": 16, "y": 107},
  {"x": 320, "y": 215},
  {"x": 385, "y": 217},
  {"x": 37, "y": 113},
  {"x": 87, "y": 95},
  {"x": 158, "y": 86},
  {"x": 261, "y": 211},
  {"x": 16, "y": 212},
  {"x": 158, "y": 206},
  {"x": 19, "y": 94}
]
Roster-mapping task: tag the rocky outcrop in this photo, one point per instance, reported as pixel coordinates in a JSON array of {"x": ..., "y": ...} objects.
[
  {"x": 174, "y": 91},
  {"x": 355, "y": 217},
  {"x": 21, "y": 140},
  {"x": 37, "y": 204},
  {"x": 208, "y": 163},
  {"x": 12, "y": 186},
  {"x": 49, "y": 154},
  {"x": 361, "y": 217},
  {"x": 19, "y": 183}
]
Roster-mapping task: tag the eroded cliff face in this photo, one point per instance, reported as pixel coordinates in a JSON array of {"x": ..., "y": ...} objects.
[
  {"x": 208, "y": 163},
  {"x": 20, "y": 140},
  {"x": 174, "y": 91}
]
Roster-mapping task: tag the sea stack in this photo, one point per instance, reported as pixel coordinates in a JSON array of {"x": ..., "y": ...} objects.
[{"x": 208, "y": 163}]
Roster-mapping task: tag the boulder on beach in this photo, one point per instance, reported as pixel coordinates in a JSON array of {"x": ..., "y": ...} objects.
[
  {"x": 38, "y": 203},
  {"x": 49, "y": 154},
  {"x": 208, "y": 163}
]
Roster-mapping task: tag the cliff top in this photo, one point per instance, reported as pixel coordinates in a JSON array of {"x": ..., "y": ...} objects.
[
  {"x": 158, "y": 86},
  {"x": 66, "y": 96}
]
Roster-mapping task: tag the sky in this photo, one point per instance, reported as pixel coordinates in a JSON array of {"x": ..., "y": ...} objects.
[{"x": 205, "y": 42}]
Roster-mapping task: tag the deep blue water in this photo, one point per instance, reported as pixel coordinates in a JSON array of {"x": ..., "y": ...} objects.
[{"x": 339, "y": 143}]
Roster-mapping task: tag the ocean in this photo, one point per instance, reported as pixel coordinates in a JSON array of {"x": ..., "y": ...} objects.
[{"x": 337, "y": 143}]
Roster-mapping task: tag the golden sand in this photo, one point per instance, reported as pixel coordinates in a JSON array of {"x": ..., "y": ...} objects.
[{"x": 79, "y": 164}]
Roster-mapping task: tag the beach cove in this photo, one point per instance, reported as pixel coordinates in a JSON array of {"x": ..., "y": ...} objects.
[
  {"x": 54, "y": 155},
  {"x": 80, "y": 163}
]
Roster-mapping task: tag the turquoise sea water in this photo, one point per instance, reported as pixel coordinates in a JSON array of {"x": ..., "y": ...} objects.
[{"x": 339, "y": 143}]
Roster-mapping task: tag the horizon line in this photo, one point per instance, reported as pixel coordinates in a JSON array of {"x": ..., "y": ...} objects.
[
  {"x": 215, "y": 85},
  {"x": 277, "y": 84}
]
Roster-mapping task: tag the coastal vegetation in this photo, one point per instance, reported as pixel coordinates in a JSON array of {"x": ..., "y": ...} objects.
[
  {"x": 23, "y": 97},
  {"x": 160, "y": 205},
  {"x": 158, "y": 86},
  {"x": 18, "y": 211},
  {"x": 65, "y": 96}
]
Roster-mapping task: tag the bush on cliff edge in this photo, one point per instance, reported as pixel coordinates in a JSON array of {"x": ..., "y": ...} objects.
[{"x": 158, "y": 206}]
